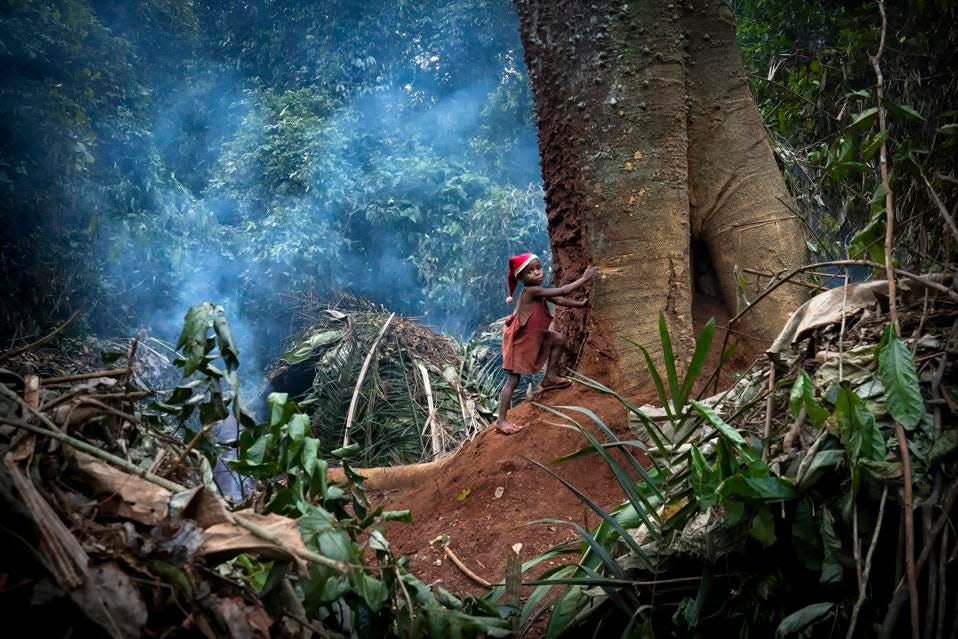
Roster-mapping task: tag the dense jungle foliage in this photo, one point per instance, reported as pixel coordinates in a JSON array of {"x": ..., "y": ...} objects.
[
  {"x": 810, "y": 70},
  {"x": 153, "y": 154}
]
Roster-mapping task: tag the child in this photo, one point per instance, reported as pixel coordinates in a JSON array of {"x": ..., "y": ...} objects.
[{"x": 527, "y": 342}]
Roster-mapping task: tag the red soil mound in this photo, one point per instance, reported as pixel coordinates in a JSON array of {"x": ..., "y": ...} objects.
[{"x": 480, "y": 526}]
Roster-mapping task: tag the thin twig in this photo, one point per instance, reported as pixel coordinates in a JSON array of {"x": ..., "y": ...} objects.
[
  {"x": 943, "y": 586},
  {"x": 465, "y": 569},
  {"x": 942, "y": 208},
  {"x": 868, "y": 565},
  {"x": 908, "y": 506},
  {"x": 90, "y": 401},
  {"x": 886, "y": 184},
  {"x": 43, "y": 340},
  {"x": 95, "y": 451},
  {"x": 771, "y": 276},
  {"x": 769, "y": 407},
  {"x": 194, "y": 441},
  {"x": 901, "y": 593},
  {"x": 908, "y": 514},
  {"x": 359, "y": 382},
  {"x": 112, "y": 372},
  {"x": 801, "y": 269}
]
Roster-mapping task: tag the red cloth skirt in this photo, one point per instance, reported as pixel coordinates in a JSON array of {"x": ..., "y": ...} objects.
[{"x": 522, "y": 351}]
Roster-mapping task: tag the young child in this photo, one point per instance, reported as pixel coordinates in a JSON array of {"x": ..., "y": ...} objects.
[{"x": 527, "y": 341}]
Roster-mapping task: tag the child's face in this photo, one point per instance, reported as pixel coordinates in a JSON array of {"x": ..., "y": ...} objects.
[{"x": 533, "y": 274}]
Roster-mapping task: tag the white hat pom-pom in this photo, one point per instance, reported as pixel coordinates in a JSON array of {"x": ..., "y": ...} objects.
[{"x": 509, "y": 300}]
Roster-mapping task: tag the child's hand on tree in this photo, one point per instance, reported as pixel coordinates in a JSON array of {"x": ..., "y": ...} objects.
[{"x": 588, "y": 274}]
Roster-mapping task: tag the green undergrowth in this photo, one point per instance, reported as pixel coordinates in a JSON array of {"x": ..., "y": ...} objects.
[
  {"x": 283, "y": 469},
  {"x": 726, "y": 531}
]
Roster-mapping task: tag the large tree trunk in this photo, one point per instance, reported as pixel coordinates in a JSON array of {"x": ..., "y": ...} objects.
[{"x": 649, "y": 142}]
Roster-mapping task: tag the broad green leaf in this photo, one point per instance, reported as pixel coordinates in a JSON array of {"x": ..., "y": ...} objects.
[
  {"x": 902, "y": 111},
  {"x": 228, "y": 350},
  {"x": 298, "y": 427},
  {"x": 756, "y": 489},
  {"x": 872, "y": 144},
  {"x": 823, "y": 461},
  {"x": 859, "y": 431},
  {"x": 310, "y": 456},
  {"x": 763, "y": 527},
  {"x": 258, "y": 451},
  {"x": 277, "y": 407},
  {"x": 832, "y": 568},
  {"x": 302, "y": 351},
  {"x": 397, "y": 515},
  {"x": 802, "y": 395},
  {"x": 319, "y": 533},
  {"x": 864, "y": 119},
  {"x": 896, "y": 368},
  {"x": 213, "y": 410},
  {"x": 192, "y": 341},
  {"x": 869, "y": 243},
  {"x": 373, "y": 592},
  {"x": 334, "y": 589},
  {"x": 805, "y": 537},
  {"x": 799, "y": 620},
  {"x": 715, "y": 420},
  {"x": 378, "y": 541}
]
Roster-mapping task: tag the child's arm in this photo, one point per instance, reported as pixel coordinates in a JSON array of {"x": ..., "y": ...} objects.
[
  {"x": 565, "y": 301},
  {"x": 561, "y": 291}
]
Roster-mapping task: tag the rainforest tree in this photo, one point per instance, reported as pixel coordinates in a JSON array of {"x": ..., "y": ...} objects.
[{"x": 654, "y": 156}]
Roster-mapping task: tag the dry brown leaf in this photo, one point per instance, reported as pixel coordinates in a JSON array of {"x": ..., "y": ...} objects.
[
  {"x": 129, "y": 496},
  {"x": 111, "y": 600},
  {"x": 229, "y": 539},
  {"x": 241, "y": 620}
]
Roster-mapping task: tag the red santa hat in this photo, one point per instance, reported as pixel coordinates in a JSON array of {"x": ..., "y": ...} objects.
[{"x": 516, "y": 264}]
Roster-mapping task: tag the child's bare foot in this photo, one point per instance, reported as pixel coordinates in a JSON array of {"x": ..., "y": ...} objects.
[
  {"x": 506, "y": 427},
  {"x": 552, "y": 383}
]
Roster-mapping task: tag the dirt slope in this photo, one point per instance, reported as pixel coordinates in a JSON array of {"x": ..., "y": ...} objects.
[{"x": 480, "y": 526}]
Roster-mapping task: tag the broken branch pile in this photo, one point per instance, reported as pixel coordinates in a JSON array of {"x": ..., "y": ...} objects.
[{"x": 115, "y": 528}]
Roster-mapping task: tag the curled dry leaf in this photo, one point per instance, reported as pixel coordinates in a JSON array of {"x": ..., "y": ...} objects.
[{"x": 128, "y": 496}]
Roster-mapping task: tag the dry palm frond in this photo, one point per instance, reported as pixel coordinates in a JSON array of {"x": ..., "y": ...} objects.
[{"x": 423, "y": 394}]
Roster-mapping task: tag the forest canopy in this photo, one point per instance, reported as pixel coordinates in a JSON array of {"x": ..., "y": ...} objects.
[{"x": 155, "y": 154}]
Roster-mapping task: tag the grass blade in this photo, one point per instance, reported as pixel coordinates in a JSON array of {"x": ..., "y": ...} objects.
[
  {"x": 626, "y": 482},
  {"x": 633, "y": 462},
  {"x": 609, "y": 519},
  {"x": 668, "y": 357},
  {"x": 703, "y": 344}
]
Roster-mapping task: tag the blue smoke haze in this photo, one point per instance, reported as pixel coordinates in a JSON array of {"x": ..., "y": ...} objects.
[{"x": 410, "y": 117}]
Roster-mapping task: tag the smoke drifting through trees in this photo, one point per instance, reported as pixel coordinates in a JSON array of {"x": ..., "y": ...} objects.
[{"x": 191, "y": 151}]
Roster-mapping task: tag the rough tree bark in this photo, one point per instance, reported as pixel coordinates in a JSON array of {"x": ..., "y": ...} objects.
[{"x": 650, "y": 142}]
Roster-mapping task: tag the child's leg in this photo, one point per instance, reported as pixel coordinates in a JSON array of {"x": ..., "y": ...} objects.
[
  {"x": 555, "y": 342},
  {"x": 505, "y": 403}
]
